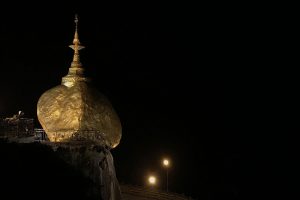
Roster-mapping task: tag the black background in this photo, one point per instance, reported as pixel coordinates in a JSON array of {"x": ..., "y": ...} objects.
[{"x": 178, "y": 75}]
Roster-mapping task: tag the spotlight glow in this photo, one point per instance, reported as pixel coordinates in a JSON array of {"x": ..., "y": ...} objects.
[
  {"x": 152, "y": 180},
  {"x": 166, "y": 162}
]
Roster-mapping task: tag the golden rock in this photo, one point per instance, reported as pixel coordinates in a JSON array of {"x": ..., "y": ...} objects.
[{"x": 75, "y": 111}]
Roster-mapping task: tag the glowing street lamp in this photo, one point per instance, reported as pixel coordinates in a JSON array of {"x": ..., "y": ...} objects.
[
  {"x": 166, "y": 164},
  {"x": 152, "y": 180}
]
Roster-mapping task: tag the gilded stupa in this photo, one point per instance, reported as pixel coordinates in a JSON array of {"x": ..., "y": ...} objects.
[{"x": 75, "y": 111}]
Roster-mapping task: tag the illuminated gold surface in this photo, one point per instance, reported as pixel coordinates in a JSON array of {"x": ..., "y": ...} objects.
[{"x": 76, "y": 111}]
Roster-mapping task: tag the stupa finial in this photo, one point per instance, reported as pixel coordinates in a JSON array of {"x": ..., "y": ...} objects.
[{"x": 76, "y": 46}]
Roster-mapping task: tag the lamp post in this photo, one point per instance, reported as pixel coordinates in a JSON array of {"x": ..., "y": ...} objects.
[
  {"x": 166, "y": 164},
  {"x": 152, "y": 180}
]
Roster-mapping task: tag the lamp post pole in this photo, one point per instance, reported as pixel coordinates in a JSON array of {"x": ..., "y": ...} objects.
[
  {"x": 166, "y": 164},
  {"x": 167, "y": 179}
]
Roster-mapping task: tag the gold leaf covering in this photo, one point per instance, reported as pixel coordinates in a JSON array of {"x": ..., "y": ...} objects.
[{"x": 75, "y": 111}]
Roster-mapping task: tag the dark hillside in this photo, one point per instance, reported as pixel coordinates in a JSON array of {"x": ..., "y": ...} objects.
[{"x": 34, "y": 171}]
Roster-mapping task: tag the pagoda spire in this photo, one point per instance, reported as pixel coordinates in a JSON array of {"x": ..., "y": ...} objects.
[{"x": 76, "y": 46}]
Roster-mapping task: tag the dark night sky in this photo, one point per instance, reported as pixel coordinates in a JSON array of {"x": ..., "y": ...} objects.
[{"x": 162, "y": 66}]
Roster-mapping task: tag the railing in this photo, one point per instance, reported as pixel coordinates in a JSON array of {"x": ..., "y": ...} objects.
[{"x": 150, "y": 193}]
